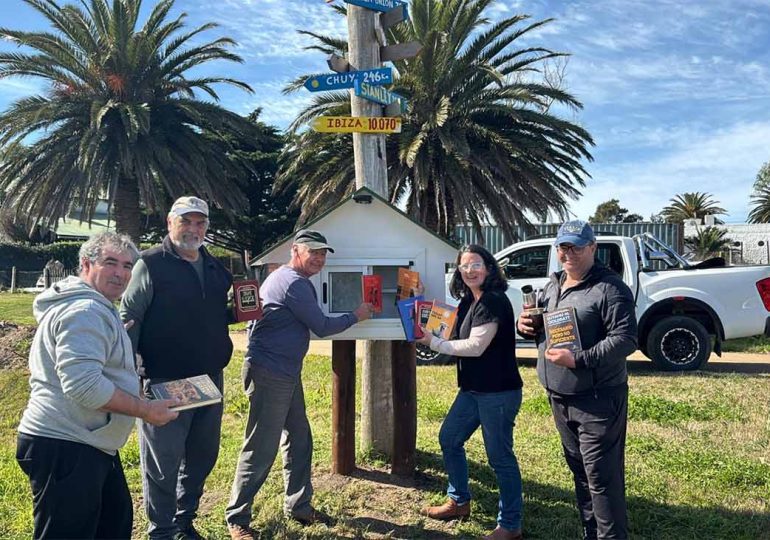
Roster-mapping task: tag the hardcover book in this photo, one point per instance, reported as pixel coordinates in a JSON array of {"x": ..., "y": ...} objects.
[
  {"x": 422, "y": 314},
  {"x": 408, "y": 280},
  {"x": 406, "y": 312},
  {"x": 441, "y": 320},
  {"x": 192, "y": 392},
  {"x": 248, "y": 306},
  {"x": 561, "y": 329},
  {"x": 371, "y": 286}
]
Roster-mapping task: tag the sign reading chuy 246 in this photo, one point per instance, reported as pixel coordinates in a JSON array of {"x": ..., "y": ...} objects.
[
  {"x": 338, "y": 81},
  {"x": 377, "y": 5}
]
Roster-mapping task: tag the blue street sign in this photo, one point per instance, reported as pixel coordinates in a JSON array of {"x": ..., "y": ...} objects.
[
  {"x": 378, "y": 94},
  {"x": 338, "y": 81},
  {"x": 377, "y": 5}
]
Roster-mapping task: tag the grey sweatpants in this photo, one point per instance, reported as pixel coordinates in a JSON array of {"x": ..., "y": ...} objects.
[{"x": 276, "y": 418}]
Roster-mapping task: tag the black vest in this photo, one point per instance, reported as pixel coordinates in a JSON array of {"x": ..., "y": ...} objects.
[{"x": 184, "y": 333}]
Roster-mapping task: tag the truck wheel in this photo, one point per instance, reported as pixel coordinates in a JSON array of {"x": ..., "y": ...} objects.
[{"x": 678, "y": 344}]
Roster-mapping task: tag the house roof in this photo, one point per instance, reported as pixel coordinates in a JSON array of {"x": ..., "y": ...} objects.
[{"x": 360, "y": 191}]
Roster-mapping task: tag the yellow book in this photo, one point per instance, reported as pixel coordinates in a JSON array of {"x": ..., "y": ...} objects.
[{"x": 441, "y": 320}]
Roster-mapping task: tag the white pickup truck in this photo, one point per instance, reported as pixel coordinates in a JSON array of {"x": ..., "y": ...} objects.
[{"x": 684, "y": 310}]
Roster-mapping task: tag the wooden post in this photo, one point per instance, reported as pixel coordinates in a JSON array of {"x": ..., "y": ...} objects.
[
  {"x": 370, "y": 158},
  {"x": 343, "y": 406},
  {"x": 13, "y": 279},
  {"x": 46, "y": 277},
  {"x": 404, "y": 407}
]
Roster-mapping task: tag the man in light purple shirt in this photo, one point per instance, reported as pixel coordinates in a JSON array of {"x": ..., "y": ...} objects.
[{"x": 272, "y": 377}]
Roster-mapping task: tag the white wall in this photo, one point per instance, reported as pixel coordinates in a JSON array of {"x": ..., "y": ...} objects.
[{"x": 748, "y": 234}]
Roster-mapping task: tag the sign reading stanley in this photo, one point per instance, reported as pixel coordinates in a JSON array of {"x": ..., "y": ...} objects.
[
  {"x": 377, "y": 5},
  {"x": 357, "y": 124},
  {"x": 378, "y": 94},
  {"x": 338, "y": 81}
]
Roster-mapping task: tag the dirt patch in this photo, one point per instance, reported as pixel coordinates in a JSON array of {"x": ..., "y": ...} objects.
[{"x": 15, "y": 341}]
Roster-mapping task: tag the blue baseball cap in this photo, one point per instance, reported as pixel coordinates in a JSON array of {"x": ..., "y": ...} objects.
[{"x": 576, "y": 232}]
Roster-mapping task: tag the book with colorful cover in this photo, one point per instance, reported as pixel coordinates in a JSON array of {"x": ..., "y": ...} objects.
[
  {"x": 408, "y": 280},
  {"x": 561, "y": 329},
  {"x": 192, "y": 392},
  {"x": 248, "y": 306},
  {"x": 422, "y": 314},
  {"x": 441, "y": 320},
  {"x": 371, "y": 287},
  {"x": 406, "y": 312}
]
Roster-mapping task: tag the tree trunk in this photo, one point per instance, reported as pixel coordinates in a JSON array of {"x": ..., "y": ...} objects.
[{"x": 128, "y": 214}]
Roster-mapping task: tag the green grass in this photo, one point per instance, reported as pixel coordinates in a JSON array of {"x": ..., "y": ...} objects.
[
  {"x": 16, "y": 308},
  {"x": 697, "y": 464},
  {"x": 754, "y": 344}
]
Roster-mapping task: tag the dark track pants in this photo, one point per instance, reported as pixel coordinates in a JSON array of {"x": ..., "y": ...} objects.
[
  {"x": 77, "y": 490},
  {"x": 593, "y": 436}
]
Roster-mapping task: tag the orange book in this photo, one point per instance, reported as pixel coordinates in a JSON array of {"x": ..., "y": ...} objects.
[
  {"x": 408, "y": 280},
  {"x": 442, "y": 319},
  {"x": 371, "y": 287}
]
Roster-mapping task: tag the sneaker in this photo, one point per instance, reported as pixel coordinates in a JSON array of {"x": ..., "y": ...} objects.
[
  {"x": 448, "y": 511},
  {"x": 188, "y": 533},
  {"x": 239, "y": 532},
  {"x": 314, "y": 516}
]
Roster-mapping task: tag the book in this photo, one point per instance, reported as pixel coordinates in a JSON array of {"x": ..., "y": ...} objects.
[
  {"x": 371, "y": 287},
  {"x": 406, "y": 312},
  {"x": 561, "y": 329},
  {"x": 248, "y": 306},
  {"x": 422, "y": 314},
  {"x": 441, "y": 320},
  {"x": 193, "y": 392},
  {"x": 408, "y": 280}
]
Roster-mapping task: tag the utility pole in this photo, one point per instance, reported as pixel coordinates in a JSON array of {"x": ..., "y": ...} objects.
[{"x": 371, "y": 172}]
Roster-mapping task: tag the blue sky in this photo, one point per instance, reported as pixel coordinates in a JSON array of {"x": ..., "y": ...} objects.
[{"x": 676, "y": 93}]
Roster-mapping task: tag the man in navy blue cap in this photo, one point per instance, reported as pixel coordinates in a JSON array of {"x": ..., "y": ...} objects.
[{"x": 588, "y": 389}]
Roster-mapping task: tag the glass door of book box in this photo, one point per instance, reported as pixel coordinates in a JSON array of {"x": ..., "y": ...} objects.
[{"x": 344, "y": 289}]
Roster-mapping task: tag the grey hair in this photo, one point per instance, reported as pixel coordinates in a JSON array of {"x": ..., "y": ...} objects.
[{"x": 92, "y": 249}]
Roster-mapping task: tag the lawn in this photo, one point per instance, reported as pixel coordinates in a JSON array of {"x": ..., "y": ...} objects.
[{"x": 698, "y": 464}]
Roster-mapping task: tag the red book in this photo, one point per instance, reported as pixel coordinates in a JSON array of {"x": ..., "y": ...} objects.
[
  {"x": 248, "y": 306},
  {"x": 371, "y": 287},
  {"x": 422, "y": 314}
]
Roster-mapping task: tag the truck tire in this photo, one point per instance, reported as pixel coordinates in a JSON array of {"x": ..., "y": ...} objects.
[{"x": 678, "y": 344}]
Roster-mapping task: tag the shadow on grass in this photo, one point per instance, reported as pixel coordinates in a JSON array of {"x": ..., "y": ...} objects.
[{"x": 714, "y": 366}]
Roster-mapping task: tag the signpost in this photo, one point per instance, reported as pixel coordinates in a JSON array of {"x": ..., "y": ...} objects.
[
  {"x": 339, "y": 81},
  {"x": 378, "y": 5},
  {"x": 357, "y": 124},
  {"x": 378, "y": 94},
  {"x": 399, "y": 51}
]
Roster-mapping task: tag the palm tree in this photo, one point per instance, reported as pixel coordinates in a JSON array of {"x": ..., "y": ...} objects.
[
  {"x": 691, "y": 205},
  {"x": 478, "y": 140},
  {"x": 120, "y": 118},
  {"x": 707, "y": 242},
  {"x": 761, "y": 203}
]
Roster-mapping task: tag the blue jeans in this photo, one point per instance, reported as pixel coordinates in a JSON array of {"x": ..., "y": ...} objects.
[{"x": 496, "y": 413}]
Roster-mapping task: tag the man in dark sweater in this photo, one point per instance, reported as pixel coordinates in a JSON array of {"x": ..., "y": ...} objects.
[
  {"x": 588, "y": 389},
  {"x": 177, "y": 299},
  {"x": 271, "y": 373}
]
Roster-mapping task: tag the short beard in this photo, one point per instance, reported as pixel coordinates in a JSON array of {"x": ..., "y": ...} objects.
[{"x": 188, "y": 245}]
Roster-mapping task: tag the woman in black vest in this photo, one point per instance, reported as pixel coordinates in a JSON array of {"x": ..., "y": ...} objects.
[{"x": 484, "y": 342}]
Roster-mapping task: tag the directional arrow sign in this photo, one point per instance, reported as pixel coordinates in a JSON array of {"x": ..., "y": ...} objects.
[
  {"x": 399, "y": 51},
  {"x": 376, "y": 5},
  {"x": 394, "y": 16},
  {"x": 337, "y": 81},
  {"x": 378, "y": 94},
  {"x": 357, "y": 124}
]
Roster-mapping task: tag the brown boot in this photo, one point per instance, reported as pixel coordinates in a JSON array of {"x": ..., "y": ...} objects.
[
  {"x": 448, "y": 511},
  {"x": 239, "y": 532},
  {"x": 501, "y": 533}
]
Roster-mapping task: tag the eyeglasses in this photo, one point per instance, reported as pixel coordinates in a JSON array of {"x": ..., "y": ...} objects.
[
  {"x": 470, "y": 267},
  {"x": 568, "y": 248}
]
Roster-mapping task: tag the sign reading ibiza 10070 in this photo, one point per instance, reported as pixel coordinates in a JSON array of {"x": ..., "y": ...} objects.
[
  {"x": 338, "y": 81},
  {"x": 377, "y": 5}
]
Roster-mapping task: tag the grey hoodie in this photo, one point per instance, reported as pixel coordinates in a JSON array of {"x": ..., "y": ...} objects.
[{"x": 79, "y": 355}]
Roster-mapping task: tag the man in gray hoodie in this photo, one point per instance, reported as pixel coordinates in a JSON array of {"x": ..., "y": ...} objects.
[{"x": 83, "y": 399}]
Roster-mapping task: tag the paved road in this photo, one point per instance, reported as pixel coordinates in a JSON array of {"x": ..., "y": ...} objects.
[{"x": 729, "y": 362}]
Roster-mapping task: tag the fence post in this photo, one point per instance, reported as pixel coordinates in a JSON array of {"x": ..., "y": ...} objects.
[
  {"x": 13, "y": 279},
  {"x": 46, "y": 278}
]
